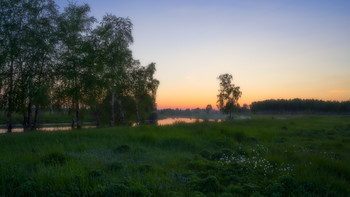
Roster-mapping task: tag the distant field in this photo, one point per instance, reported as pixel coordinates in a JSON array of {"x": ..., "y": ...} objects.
[{"x": 262, "y": 156}]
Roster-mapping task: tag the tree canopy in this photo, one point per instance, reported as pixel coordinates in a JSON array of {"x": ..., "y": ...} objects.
[
  {"x": 68, "y": 61},
  {"x": 228, "y": 95},
  {"x": 300, "y": 106}
]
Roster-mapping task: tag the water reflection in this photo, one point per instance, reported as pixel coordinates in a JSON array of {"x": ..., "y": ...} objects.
[
  {"x": 169, "y": 121},
  {"x": 59, "y": 128}
]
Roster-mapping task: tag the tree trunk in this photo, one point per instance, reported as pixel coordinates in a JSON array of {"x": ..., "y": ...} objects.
[
  {"x": 9, "y": 121},
  {"x": 10, "y": 107},
  {"x": 137, "y": 111},
  {"x": 29, "y": 123},
  {"x": 72, "y": 121},
  {"x": 112, "y": 111},
  {"x": 121, "y": 112},
  {"x": 35, "y": 118},
  {"x": 231, "y": 115},
  {"x": 25, "y": 118},
  {"x": 98, "y": 117},
  {"x": 78, "y": 116}
]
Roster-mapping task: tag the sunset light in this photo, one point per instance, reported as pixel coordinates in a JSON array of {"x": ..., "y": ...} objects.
[
  {"x": 273, "y": 49},
  {"x": 160, "y": 98}
]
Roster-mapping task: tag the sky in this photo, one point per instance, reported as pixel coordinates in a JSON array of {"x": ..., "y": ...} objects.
[{"x": 274, "y": 49}]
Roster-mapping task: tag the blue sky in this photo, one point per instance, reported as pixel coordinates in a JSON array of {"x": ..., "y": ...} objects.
[{"x": 273, "y": 49}]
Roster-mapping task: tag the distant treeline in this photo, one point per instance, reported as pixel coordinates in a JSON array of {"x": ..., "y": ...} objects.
[
  {"x": 300, "y": 105},
  {"x": 52, "y": 60},
  {"x": 178, "y": 111}
]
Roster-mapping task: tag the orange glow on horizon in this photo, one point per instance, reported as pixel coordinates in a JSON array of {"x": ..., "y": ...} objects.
[{"x": 192, "y": 103}]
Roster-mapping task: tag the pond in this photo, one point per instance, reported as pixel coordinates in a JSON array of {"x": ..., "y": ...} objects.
[
  {"x": 169, "y": 121},
  {"x": 46, "y": 128},
  {"x": 66, "y": 127}
]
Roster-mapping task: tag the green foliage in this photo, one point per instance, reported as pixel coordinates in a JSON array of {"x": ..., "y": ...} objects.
[
  {"x": 205, "y": 154},
  {"x": 115, "y": 166},
  {"x": 300, "y": 106},
  {"x": 228, "y": 95},
  {"x": 208, "y": 185},
  {"x": 55, "y": 158},
  {"x": 122, "y": 149},
  {"x": 63, "y": 60},
  {"x": 208, "y": 108},
  {"x": 177, "y": 161}
]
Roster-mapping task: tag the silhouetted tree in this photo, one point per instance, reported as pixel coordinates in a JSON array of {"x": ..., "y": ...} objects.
[
  {"x": 11, "y": 18},
  {"x": 115, "y": 36},
  {"x": 75, "y": 71},
  {"x": 39, "y": 45},
  {"x": 228, "y": 95},
  {"x": 143, "y": 86},
  {"x": 208, "y": 108},
  {"x": 27, "y": 30},
  {"x": 245, "y": 108},
  {"x": 300, "y": 106},
  {"x": 57, "y": 59}
]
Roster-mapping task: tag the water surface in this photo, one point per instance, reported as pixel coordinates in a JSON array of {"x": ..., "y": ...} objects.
[
  {"x": 170, "y": 121},
  {"x": 49, "y": 128}
]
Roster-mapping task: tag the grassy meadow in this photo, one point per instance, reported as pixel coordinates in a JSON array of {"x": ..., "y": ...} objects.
[{"x": 262, "y": 156}]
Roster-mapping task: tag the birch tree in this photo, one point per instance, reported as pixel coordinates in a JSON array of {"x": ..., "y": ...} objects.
[
  {"x": 115, "y": 36},
  {"x": 74, "y": 68},
  {"x": 228, "y": 95},
  {"x": 143, "y": 86}
]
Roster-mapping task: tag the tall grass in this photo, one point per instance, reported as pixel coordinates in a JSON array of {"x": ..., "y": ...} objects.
[{"x": 296, "y": 156}]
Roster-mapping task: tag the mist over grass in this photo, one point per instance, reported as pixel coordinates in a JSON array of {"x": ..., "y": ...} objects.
[{"x": 265, "y": 155}]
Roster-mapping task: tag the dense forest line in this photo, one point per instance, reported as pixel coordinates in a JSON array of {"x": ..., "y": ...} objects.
[
  {"x": 300, "y": 106},
  {"x": 53, "y": 61}
]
